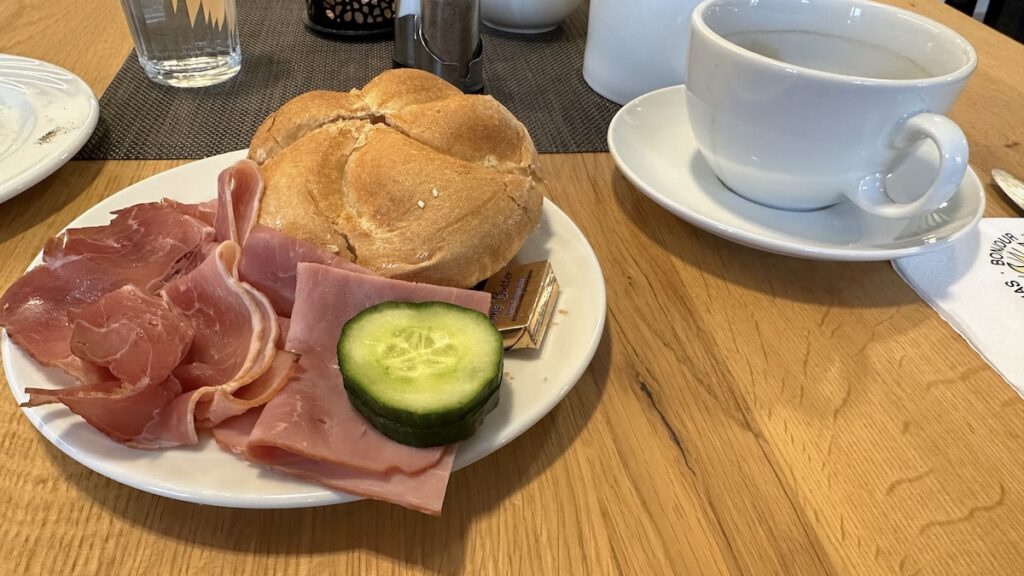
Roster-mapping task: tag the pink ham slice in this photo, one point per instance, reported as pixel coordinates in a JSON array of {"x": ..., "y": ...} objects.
[
  {"x": 311, "y": 426},
  {"x": 239, "y": 189},
  {"x": 269, "y": 260},
  {"x": 140, "y": 246},
  {"x": 312, "y": 417},
  {"x": 327, "y": 298},
  {"x": 422, "y": 492}
]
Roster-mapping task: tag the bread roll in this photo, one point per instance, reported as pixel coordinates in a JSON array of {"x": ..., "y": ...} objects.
[
  {"x": 396, "y": 89},
  {"x": 302, "y": 115},
  {"x": 407, "y": 177},
  {"x": 473, "y": 128}
]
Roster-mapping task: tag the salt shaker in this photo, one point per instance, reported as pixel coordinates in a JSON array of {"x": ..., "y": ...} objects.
[{"x": 443, "y": 37}]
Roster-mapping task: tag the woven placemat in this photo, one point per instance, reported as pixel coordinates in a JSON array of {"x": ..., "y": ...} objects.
[{"x": 538, "y": 77}]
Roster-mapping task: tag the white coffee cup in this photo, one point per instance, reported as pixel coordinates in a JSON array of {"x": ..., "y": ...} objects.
[
  {"x": 636, "y": 46},
  {"x": 798, "y": 104}
]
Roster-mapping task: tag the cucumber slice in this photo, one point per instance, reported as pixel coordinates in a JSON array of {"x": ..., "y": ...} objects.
[
  {"x": 428, "y": 369},
  {"x": 427, "y": 437}
]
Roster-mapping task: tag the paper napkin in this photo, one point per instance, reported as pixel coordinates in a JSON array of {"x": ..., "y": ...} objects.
[{"x": 977, "y": 285}]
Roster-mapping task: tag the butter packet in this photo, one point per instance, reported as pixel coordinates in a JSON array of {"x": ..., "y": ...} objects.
[{"x": 522, "y": 301}]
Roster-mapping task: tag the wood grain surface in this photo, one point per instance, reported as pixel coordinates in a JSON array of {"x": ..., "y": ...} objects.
[{"x": 745, "y": 414}]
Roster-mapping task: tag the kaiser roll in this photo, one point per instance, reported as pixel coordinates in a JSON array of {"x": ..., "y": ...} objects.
[{"x": 407, "y": 177}]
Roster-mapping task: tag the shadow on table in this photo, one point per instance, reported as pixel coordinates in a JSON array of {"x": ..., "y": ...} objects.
[
  {"x": 46, "y": 198},
  {"x": 436, "y": 544},
  {"x": 844, "y": 284}
]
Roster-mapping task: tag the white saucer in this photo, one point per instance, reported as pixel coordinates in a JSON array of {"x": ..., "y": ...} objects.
[
  {"x": 651, "y": 142},
  {"x": 46, "y": 115}
]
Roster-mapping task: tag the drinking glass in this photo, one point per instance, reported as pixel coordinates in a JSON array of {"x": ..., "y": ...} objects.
[{"x": 187, "y": 43}]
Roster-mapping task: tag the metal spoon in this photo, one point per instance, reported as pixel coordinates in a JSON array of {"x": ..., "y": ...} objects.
[{"x": 1012, "y": 186}]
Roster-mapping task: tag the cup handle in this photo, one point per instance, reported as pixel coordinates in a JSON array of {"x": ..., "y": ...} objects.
[{"x": 871, "y": 195}]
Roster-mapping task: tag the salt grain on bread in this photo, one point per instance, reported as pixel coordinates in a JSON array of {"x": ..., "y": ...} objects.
[{"x": 407, "y": 177}]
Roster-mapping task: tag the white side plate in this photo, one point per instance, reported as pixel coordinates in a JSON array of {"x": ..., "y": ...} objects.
[
  {"x": 535, "y": 380},
  {"x": 46, "y": 115}
]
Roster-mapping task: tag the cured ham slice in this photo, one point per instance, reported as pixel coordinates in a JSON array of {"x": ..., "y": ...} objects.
[
  {"x": 234, "y": 345},
  {"x": 422, "y": 492},
  {"x": 206, "y": 212},
  {"x": 140, "y": 246},
  {"x": 135, "y": 233},
  {"x": 228, "y": 329},
  {"x": 223, "y": 405},
  {"x": 311, "y": 430},
  {"x": 269, "y": 260},
  {"x": 178, "y": 422},
  {"x": 135, "y": 335},
  {"x": 235, "y": 326},
  {"x": 239, "y": 189},
  {"x": 34, "y": 310},
  {"x": 108, "y": 407}
]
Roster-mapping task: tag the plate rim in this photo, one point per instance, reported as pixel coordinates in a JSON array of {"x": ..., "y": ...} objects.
[
  {"x": 318, "y": 495},
  {"x": 970, "y": 185},
  {"x": 58, "y": 157}
]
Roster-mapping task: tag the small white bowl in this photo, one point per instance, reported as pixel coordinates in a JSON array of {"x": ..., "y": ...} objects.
[{"x": 526, "y": 16}]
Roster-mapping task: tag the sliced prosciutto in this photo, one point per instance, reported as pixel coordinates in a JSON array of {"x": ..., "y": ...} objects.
[
  {"x": 215, "y": 333},
  {"x": 235, "y": 326},
  {"x": 310, "y": 425},
  {"x": 135, "y": 335},
  {"x": 135, "y": 233},
  {"x": 107, "y": 406},
  {"x": 223, "y": 405},
  {"x": 234, "y": 345},
  {"x": 206, "y": 212},
  {"x": 141, "y": 246},
  {"x": 269, "y": 260},
  {"x": 178, "y": 423},
  {"x": 239, "y": 189}
]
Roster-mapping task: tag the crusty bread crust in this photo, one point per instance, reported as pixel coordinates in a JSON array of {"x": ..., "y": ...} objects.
[
  {"x": 407, "y": 177},
  {"x": 396, "y": 89},
  {"x": 302, "y": 115}
]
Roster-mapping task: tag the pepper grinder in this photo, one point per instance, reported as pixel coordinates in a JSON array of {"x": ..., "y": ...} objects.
[{"x": 442, "y": 37}]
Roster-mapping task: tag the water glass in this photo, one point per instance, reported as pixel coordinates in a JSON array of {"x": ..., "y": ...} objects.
[{"x": 187, "y": 43}]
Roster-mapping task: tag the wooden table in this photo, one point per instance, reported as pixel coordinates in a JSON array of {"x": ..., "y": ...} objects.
[{"x": 745, "y": 414}]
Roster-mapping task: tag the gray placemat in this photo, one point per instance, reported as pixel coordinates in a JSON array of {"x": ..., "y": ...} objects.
[{"x": 538, "y": 77}]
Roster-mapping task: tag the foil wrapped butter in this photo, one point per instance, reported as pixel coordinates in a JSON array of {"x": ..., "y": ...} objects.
[{"x": 522, "y": 302}]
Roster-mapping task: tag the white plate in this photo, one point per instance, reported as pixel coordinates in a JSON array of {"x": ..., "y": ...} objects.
[
  {"x": 652, "y": 144},
  {"x": 46, "y": 115},
  {"x": 535, "y": 382}
]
